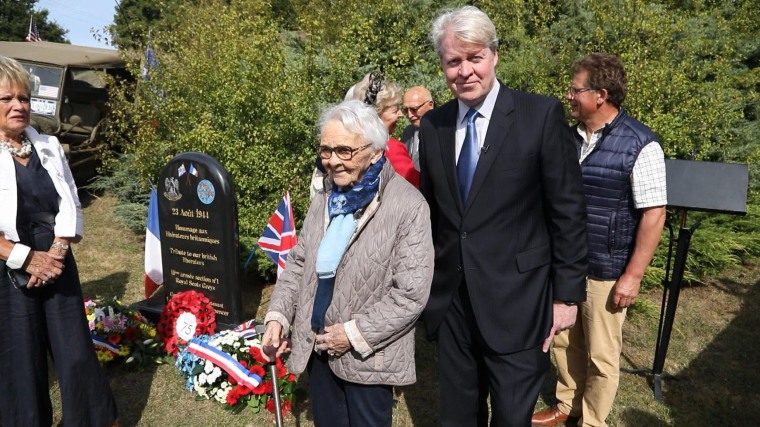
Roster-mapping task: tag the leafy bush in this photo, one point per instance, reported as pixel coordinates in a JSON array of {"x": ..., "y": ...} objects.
[
  {"x": 243, "y": 81},
  {"x": 121, "y": 181}
]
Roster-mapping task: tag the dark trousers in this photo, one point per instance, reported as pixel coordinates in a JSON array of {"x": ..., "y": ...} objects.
[
  {"x": 339, "y": 403},
  {"x": 470, "y": 372},
  {"x": 51, "y": 319}
]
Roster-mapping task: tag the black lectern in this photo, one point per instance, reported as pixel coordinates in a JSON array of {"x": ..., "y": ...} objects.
[{"x": 697, "y": 186}]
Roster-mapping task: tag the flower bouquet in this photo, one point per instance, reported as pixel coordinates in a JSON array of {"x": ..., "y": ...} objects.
[
  {"x": 119, "y": 332},
  {"x": 229, "y": 368}
]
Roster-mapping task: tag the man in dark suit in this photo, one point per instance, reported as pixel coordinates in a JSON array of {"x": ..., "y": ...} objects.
[
  {"x": 417, "y": 101},
  {"x": 507, "y": 208}
]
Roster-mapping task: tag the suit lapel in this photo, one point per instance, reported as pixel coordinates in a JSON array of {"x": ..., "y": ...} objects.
[{"x": 496, "y": 137}]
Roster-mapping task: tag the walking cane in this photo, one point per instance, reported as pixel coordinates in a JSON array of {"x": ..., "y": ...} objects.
[
  {"x": 275, "y": 391},
  {"x": 272, "y": 364}
]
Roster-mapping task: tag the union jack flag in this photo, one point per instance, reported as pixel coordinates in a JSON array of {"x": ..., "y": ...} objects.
[{"x": 279, "y": 236}]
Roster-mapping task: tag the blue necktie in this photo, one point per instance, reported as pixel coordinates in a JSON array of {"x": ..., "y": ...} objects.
[{"x": 468, "y": 156}]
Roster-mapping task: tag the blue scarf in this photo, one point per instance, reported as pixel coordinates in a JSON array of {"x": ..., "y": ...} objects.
[{"x": 341, "y": 207}]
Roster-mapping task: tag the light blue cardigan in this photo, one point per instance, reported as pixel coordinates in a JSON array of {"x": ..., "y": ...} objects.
[{"x": 68, "y": 222}]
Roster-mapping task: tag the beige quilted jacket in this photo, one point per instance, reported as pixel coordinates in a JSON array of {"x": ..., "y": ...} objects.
[{"x": 382, "y": 285}]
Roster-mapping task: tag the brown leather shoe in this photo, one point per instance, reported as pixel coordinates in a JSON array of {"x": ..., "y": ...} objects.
[{"x": 549, "y": 417}]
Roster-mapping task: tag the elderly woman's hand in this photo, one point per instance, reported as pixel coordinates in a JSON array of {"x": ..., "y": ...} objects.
[
  {"x": 44, "y": 268},
  {"x": 274, "y": 343},
  {"x": 334, "y": 340}
]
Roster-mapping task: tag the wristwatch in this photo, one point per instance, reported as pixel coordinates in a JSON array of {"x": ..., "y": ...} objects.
[
  {"x": 62, "y": 245},
  {"x": 570, "y": 303}
]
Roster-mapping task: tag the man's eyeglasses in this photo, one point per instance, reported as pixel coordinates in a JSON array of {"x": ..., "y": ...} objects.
[
  {"x": 575, "y": 91},
  {"x": 406, "y": 110},
  {"x": 7, "y": 99},
  {"x": 343, "y": 152}
]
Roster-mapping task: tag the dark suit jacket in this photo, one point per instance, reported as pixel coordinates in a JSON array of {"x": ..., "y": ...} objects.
[
  {"x": 407, "y": 136},
  {"x": 520, "y": 242}
]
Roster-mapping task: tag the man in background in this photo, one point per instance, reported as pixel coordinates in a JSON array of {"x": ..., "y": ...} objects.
[
  {"x": 623, "y": 170},
  {"x": 417, "y": 101}
]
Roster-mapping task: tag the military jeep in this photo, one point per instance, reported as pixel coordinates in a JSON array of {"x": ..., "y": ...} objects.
[{"x": 69, "y": 95}]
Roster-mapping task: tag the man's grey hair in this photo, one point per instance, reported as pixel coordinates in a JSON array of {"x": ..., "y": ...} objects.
[
  {"x": 468, "y": 24},
  {"x": 359, "y": 119}
]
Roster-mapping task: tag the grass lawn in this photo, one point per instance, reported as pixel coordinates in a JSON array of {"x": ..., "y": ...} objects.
[{"x": 713, "y": 353}]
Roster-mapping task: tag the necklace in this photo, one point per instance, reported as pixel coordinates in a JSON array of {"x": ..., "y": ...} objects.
[{"x": 23, "y": 152}]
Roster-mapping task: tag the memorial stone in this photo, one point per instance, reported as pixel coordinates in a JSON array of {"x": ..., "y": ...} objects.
[{"x": 199, "y": 233}]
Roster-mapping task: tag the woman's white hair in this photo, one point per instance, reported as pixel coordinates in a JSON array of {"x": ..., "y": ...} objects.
[
  {"x": 359, "y": 119},
  {"x": 468, "y": 24}
]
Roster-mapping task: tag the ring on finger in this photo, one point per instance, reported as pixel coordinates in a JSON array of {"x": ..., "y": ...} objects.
[{"x": 44, "y": 282}]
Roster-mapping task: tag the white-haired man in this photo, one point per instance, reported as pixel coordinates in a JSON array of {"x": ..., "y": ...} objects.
[{"x": 499, "y": 173}]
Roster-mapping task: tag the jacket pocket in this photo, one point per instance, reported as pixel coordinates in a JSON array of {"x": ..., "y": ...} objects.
[
  {"x": 611, "y": 232},
  {"x": 533, "y": 258}
]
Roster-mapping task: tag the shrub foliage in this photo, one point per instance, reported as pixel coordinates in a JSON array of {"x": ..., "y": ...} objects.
[{"x": 244, "y": 81}]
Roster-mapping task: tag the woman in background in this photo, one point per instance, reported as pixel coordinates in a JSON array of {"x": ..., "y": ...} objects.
[{"x": 386, "y": 97}]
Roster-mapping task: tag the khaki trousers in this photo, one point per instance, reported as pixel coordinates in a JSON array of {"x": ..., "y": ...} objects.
[{"x": 588, "y": 357}]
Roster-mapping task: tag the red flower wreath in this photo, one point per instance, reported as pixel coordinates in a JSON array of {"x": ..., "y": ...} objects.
[{"x": 192, "y": 302}]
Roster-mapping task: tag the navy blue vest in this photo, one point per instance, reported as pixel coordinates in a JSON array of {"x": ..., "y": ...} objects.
[{"x": 612, "y": 216}]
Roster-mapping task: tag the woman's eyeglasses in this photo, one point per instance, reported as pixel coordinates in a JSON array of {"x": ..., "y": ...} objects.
[{"x": 343, "y": 152}]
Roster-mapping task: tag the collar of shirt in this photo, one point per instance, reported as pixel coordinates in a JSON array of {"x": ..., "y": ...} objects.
[
  {"x": 485, "y": 109},
  {"x": 588, "y": 145}
]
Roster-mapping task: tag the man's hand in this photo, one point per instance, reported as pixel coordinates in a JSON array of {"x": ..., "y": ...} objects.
[
  {"x": 564, "y": 318},
  {"x": 626, "y": 291}
]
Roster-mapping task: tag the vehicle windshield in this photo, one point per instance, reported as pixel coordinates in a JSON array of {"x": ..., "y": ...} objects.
[{"x": 46, "y": 87}]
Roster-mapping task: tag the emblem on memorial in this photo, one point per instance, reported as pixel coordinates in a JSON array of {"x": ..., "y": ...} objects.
[
  {"x": 206, "y": 192},
  {"x": 171, "y": 186}
]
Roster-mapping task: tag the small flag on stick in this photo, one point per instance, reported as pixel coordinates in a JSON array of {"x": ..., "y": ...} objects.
[
  {"x": 34, "y": 34},
  {"x": 279, "y": 236}
]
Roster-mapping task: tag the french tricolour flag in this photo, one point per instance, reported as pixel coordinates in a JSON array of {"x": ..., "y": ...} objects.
[
  {"x": 279, "y": 236},
  {"x": 154, "y": 271}
]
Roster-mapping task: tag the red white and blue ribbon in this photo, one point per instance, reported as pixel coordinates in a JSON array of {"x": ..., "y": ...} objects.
[
  {"x": 224, "y": 361},
  {"x": 105, "y": 344}
]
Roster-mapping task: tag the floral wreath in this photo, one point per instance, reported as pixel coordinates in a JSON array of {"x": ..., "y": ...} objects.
[
  {"x": 119, "y": 332},
  {"x": 229, "y": 367},
  {"x": 186, "y": 315}
]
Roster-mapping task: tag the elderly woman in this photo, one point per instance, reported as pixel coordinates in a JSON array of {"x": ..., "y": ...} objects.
[
  {"x": 386, "y": 97},
  {"x": 41, "y": 306},
  {"x": 357, "y": 280}
]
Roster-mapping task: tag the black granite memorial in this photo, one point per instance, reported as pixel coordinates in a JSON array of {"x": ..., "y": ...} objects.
[{"x": 199, "y": 234}]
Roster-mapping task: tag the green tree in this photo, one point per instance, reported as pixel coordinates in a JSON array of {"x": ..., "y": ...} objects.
[
  {"x": 245, "y": 83},
  {"x": 224, "y": 87},
  {"x": 134, "y": 20},
  {"x": 14, "y": 22}
]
